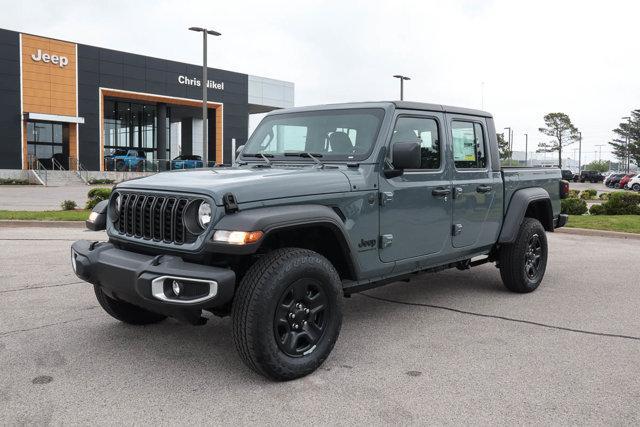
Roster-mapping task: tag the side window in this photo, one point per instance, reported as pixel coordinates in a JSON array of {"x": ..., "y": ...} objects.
[
  {"x": 423, "y": 131},
  {"x": 469, "y": 149}
]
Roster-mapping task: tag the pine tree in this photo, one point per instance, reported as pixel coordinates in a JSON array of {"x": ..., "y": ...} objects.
[
  {"x": 631, "y": 129},
  {"x": 563, "y": 132}
]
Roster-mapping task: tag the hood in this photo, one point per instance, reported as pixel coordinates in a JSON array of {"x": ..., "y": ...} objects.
[{"x": 248, "y": 184}]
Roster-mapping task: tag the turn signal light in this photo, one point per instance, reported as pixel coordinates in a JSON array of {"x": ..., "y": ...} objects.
[{"x": 237, "y": 237}]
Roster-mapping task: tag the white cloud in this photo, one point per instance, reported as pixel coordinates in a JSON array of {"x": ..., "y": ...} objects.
[{"x": 576, "y": 57}]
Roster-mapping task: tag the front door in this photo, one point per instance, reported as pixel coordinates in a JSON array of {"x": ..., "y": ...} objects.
[
  {"x": 415, "y": 208},
  {"x": 475, "y": 217}
]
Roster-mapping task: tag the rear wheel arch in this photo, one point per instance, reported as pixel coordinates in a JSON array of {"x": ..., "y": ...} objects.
[{"x": 532, "y": 202}]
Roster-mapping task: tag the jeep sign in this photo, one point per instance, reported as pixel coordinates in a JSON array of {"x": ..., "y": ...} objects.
[{"x": 58, "y": 60}]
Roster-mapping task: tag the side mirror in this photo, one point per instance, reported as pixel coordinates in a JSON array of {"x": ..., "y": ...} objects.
[
  {"x": 405, "y": 155},
  {"x": 98, "y": 218},
  {"x": 239, "y": 150}
]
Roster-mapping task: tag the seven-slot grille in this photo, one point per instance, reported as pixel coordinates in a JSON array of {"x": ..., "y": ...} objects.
[{"x": 154, "y": 216}]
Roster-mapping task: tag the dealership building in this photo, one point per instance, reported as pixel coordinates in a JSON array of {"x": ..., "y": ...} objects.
[{"x": 68, "y": 105}]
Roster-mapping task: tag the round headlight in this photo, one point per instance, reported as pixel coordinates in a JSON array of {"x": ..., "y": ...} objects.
[{"x": 204, "y": 214}]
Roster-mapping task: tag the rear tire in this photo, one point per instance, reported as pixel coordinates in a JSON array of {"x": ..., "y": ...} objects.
[
  {"x": 125, "y": 312},
  {"x": 524, "y": 262},
  {"x": 287, "y": 313}
]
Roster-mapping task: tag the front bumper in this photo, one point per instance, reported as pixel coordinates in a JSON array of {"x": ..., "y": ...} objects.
[{"x": 133, "y": 277}]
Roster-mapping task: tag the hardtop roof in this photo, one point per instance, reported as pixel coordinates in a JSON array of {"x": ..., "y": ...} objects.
[{"x": 404, "y": 105}]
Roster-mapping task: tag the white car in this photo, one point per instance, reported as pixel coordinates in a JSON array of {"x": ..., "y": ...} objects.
[{"x": 634, "y": 183}]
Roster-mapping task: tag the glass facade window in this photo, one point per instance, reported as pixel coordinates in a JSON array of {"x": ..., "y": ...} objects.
[
  {"x": 131, "y": 128},
  {"x": 47, "y": 144}
]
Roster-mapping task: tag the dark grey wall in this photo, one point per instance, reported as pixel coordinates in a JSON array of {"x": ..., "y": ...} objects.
[
  {"x": 10, "y": 135},
  {"x": 98, "y": 67}
]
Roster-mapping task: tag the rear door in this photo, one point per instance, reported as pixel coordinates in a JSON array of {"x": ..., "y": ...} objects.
[
  {"x": 476, "y": 215},
  {"x": 415, "y": 211}
]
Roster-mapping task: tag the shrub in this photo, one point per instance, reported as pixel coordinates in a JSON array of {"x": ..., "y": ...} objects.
[
  {"x": 68, "y": 205},
  {"x": 588, "y": 194},
  {"x": 96, "y": 195},
  {"x": 573, "y": 194},
  {"x": 603, "y": 196},
  {"x": 597, "y": 210},
  {"x": 622, "y": 203},
  {"x": 13, "y": 181},
  {"x": 98, "y": 181},
  {"x": 573, "y": 206}
]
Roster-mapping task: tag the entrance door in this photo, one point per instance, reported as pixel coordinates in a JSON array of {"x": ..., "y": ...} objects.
[
  {"x": 474, "y": 186},
  {"x": 415, "y": 211},
  {"x": 48, "y": 143}
]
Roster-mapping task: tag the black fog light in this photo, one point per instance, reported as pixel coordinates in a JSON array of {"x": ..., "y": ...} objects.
[{"x": 176, "y": 287}]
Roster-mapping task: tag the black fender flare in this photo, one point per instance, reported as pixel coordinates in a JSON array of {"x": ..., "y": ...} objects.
[
  {"x": 272, "y": 219},
  {"x": 518, "y": 206}
]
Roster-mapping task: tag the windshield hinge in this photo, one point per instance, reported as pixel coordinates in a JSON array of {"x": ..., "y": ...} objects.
[{"x": 230, "y": 204}]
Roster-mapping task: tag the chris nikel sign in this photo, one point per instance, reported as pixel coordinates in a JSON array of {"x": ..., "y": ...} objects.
[
  {"x": 192, "y": 81},
  {"x": 58, "y": 60}
]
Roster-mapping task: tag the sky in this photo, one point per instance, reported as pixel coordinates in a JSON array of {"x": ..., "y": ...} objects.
[{"x": 519, "y": 60}]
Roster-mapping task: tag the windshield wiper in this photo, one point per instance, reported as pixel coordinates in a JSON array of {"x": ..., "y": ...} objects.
[
  {"x": 313, "y": 156},
  {"x": 264, "y": 157}
]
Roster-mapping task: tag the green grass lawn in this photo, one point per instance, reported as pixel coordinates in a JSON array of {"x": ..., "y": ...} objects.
[
  {"x": 76, "y": 215},
  {"x": 626, "y": 223}
]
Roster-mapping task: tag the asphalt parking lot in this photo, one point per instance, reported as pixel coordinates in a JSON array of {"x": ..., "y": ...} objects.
[{"x": 452, "y": 347}]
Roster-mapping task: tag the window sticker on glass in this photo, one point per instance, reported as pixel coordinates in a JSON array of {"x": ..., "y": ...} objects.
[{"x": 464, "y": 142}]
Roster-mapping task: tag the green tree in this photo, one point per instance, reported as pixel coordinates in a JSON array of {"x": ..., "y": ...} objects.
[
  {"x": 620, "y": 149},
  {"x": 503, "y": 147},
  {"x": 598, "y": 166},
  {"x": 563, "y": 132}
]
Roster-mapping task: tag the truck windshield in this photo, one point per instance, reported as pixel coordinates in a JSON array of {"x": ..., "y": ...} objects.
[{"x": 339, "y": 135}]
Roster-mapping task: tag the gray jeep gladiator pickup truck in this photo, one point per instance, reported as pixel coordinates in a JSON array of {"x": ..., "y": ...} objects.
[{"x": 324, "y": 202}]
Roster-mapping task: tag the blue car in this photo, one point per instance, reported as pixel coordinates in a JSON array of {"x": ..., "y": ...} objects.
[
  {"x": 126, "y": 160},
  {"x": 187, "y": 161}
]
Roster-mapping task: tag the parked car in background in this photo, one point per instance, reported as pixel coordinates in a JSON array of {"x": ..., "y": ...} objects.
[
  {"x": 625, "y": 180},
  {"x": 591, "y": 176},
  {"x": 567, "y": 174},
  {"x": 187, "y": 161},
  {"x": 634, "y": 183},
  {"x": 123, "y": 159},
  {"x": 613, "y": 180}
]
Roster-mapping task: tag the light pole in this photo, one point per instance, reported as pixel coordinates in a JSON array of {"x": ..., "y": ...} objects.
[
  {"x": 600, "y": 151},
  {"x": 509, "y": 145},
  {"x": 628, "y": 159},
  {"x": 205, "y": 81},
  {"x": 402, "y": 79},
  {"x": 526, "y": 149},
  {"x": 579, "y": 152}
]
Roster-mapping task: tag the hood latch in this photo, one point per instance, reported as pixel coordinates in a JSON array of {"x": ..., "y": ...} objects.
[{"x": 230, "y": 204}]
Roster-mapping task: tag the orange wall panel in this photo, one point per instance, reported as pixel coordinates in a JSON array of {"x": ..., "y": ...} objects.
[{"x": 47, "y": 87}]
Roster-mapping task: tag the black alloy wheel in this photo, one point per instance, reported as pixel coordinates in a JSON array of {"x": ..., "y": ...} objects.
[
  {"x": 532, "y": 257},
  {"x": 300, "y": 317}
]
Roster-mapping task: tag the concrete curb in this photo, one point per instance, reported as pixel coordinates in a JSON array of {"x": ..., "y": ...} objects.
[
  {"x": 598, "y": 233},
  {"x": 11, "y": 223}
]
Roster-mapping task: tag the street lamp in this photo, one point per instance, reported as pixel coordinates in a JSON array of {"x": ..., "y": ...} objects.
[
  {"x": 402, "y": 79},
  {"x": 579, "y": 153},
  {"x": 510, "y": 144},
  {"x": 628, "y": 160},
  {"x": 526, "y": 149},
  {"x": 205, "y": 81}
]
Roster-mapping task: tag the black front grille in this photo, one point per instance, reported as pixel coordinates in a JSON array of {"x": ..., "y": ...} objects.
[{"x": 154, "y": 217}]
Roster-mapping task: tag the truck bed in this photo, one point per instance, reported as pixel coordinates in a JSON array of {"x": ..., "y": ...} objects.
[{"x": 516, "y": 178}]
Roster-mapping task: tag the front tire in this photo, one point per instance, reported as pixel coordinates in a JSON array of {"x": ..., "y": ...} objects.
[
  {"x": 287, "y": 313},
  {"x": 125, "y": 312},
  {"x": 636, "y": 187},
  {"x": 524, "y": 262}
]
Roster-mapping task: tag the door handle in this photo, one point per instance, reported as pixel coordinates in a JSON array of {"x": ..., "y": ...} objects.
[
  {"x": 440, "y": 192},
  {"x": 483, "y": 188}
]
